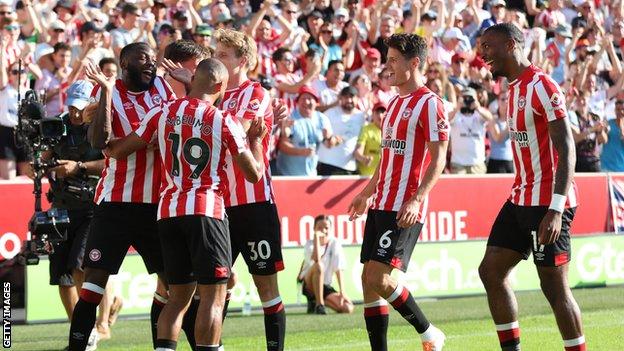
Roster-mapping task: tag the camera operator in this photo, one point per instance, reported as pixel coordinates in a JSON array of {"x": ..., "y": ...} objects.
[
  {"x": 72, "y": 186},
  {"x": 468, "y": 127}
]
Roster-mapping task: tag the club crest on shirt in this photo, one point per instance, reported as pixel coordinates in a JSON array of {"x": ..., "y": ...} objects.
[
  {"x": 156, "y": 99},
  {"x": 521, "y": 103},
  {"x": 231, "y": 104},
  {"x": 407, "y": 113},
  {"x": 388, "y": 133},
  {"x": 254, "y": 104}
]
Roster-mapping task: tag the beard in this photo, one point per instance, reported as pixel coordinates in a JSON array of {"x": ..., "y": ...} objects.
[{"x": 135, "y": 75}]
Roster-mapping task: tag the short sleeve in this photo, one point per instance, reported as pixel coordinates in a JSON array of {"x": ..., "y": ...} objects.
[
  {"x": 550, "y": 100},
  {"x": 256, "y": 105},
  {"x": 434, "y": 120},
  {"x": 233, "y": 136},
  {"x": 149, "y": 125},
  {"x": 362, "y": 137}
]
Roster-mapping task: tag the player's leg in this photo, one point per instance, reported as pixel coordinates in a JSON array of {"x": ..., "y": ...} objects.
[
  {"x": 83, "y": 318},
  {"x": 172, "y": 315},
  {"x": 314, "y": 279},
  {"x": 209, "y": 316},
  {"x": 274, "y": 313}
]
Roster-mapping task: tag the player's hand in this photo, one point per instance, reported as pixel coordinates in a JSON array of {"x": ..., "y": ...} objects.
[
  {"x": 65, "y": 168},
  {"x": 280, "y": 111},
  {"x": 368, "y": 160},
  {"x": 550, "y": 228},
  {"x": 358, "y": 206},
  {"x": 94, "y": 73},
  {"x": 408, "y": 214},
  {"x": 177, "y": 72},
  {"x": 257, "y": 130}
]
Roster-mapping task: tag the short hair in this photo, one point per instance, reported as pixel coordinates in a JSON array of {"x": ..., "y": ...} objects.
[
  {"x": 130, "y": 49},
  {"x": 211, "y": 70},
  {"x": 278, "y": 54},
  {"x": 509, "y": 30},
  {"x": 106, "y": 61},
  {"x": 243, "y": 45},
  {"x": 184, "y": 50},
  {"x": 319, "y": 218},
  {"x": 128, "y": 8},
  {"x": 60, "y": 46},
  {"x": 333, "y": 62},
  {"x": 409, "y": 45}
]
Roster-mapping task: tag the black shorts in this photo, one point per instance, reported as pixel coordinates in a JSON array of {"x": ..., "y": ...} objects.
[
  {"x": 309, "y": 293},
  {"x": 385, "y": 242},
  {"x": 118, "y": 225},
  {"x": 516, "y": 229},
  {"x": 255, "y": 233},
  {"x": 68, "y": 254},
  {"x": 195, "y": 248},
  {"x": 500, "y": 166},
  {"x": 8, "y": 149}
]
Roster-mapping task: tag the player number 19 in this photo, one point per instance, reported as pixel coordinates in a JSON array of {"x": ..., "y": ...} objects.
[{"x": 199, "y": 160}]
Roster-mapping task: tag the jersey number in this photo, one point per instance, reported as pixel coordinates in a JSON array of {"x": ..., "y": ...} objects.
[
  {"x": 263, "y": 250},
  {"x": 385, "y": 241},
  {"x": 200, "y": 161}
]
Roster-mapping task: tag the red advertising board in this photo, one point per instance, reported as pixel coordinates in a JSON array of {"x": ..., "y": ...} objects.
[{"x": 460, "y": 207}]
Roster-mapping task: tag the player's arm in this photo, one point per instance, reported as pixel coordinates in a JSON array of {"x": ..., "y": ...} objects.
[
  {"x": 137, "y": 140},
  {"x": 251, "y": 163},
  {"x": 360, "y": 202},
  {"x": 101, "y": 129}
]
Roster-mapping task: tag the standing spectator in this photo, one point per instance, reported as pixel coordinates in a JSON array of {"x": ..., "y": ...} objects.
[
  {"x": 551, "y": 17},
  {"x": 327, "y": 45},
  {"x": 266, "y": 38},
  {"x": 612, "y": 157},
  {"x": 459, "y": 70},
  {"x": 383, "y": 90},
  {"x": 65, "y": 13},
  {"x": 589, "y": 133},
  {"x": 91, "y": 44},
  {"x": 382, "y": 27},
  {"x": 497, "y": 10},
  {"x": 323, "y": 256},
  {"x": 241, "y": 14},
  {"x": 371, "y": 66},
  {"x": 468, "y": 124},
  {"x": 336, "y": 154},
  {"x": 109, "y": 68},
  {"x": 297, "y": 37},
  {"x": 131, "y": 31},
  {"x": 501, "y": 155},
  {"x": 288, "y": 82},
  {"x": 329, "y": 87},
  {"x": 366, "y": 98},
  {"x": 368, "y": 147},
  {"x": 203, "y": 35},
  {"x": 444, "y": 48},
  {"x": 556, "y": 51},
  {"x": 56, "y": 81},
  {"x": 56, "y": 34},
  {"x": 299, "y": 143}
]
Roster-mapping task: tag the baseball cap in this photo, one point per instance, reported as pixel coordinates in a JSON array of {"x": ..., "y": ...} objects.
[
  {"x": 380, "y": 105},
  {"x": 224, "y": 17},
  {"x": 453, "y": 33},
  {"x": 429, "y": 15},
  {"x": 203, "y": 29},
  {"x": 348, "y": 90},
  {"x": 495, "y": 3},
  {"x": 308, "y": 90},
  {"x": 563, "y": 30},
  {"x": 460, "y": 56},
  {"x": 79, "y": 93},
  {"x": 342, "y": 12},
  {"x": 582, "y": 43},
  {"x": 66, "y": 4},
  {"x": 578, "y": 3},
  {"x": 373, "y": 53},
  {"x": 57, "y": 25},
  {"x": 469, "y": 92}
]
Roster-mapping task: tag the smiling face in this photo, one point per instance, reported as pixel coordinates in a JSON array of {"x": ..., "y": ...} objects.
[
  {"x": 497, "y": 51},
  {"x": 141, "y": 67},
  {"x": 399, "y": 68},
  {"x": 306, "y": 104}
]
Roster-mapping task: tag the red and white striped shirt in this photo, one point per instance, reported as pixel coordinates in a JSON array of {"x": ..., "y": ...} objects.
[
  {"x": 265, "y": 56},
  {"x": 411, "y": 122},
  {"x": 248, "y": 101},
  {"x": 535, "y": 99},
  {"x": 288, "y": 98},
  {"x": 193, "y": 137},
  {"x": 135, "y": 178}
]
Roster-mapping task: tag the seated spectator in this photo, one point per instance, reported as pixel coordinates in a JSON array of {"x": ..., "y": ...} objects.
[
  {"x": 329, "y": 87},
  {"x": 589, "y": 132},
  {"x": 299, "y": 142},
  {"x": 336, "y": 154},
  {"x": 501, "y": 155},
  {"x": 367, "y": 152},
  {"x": 612, "y": 157},
  {"x": 324, "y": 257},
  {"x": 468, "y": 126}
]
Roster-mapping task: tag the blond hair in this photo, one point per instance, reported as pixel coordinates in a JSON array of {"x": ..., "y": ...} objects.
[{"x": 243, "y": 45}]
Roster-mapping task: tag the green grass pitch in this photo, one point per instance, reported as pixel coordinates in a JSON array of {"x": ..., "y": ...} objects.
[{"x": 466, "y": 322}]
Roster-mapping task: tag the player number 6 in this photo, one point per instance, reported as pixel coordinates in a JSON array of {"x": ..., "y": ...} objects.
[{"x": 385, "y": 241}]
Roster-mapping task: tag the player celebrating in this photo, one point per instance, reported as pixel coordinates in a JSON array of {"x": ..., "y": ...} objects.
[
  {"x": 253, "y": 219},
  {"x": 415, "y": 137},
  {"x": 193, "y": 137},
  {"x": 538, "y": 214},
  {"x": 127, "y": 193}
]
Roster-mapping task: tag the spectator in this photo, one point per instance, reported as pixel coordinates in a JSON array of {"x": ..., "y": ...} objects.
[
  {"x": 56, "y": 34},
  {"x": 109, "y": 67},
  {"x": 589, "y": 133},
  {"x": 324, "y": 257},
  {"x": 436, "y": 70},
  {"x": 241, "y": 14},
  {"x": 383, "y": 90},
  {"x": 367, "y": 152},
  {"x": 468, "y": 124},
  {"x": 366, "y": 98},
  {"x": 203, "y": 35},
  {"x": 444, "y": 49},
  {"x": 91, "y": 44},
  {"x": 327, "y": 45},
  {"x": 266, "y": 38},
  {"x": 132, "y": 30},
  {"x": 288, "y": 82},
  {"x": 501, "y": 155},
  {"x": 336, "y": 153},
  {"x": 556, "y": 51},
  {"x": 459, "y": 70},
  {"x": 552, "y": 16},
  {"x": 331, "y": 85},
  {"x": 371, "y": 66},
  {"x": 299, "y": 142},
  {"x": 612, "y": 157},
  {"x": 497, "y": 10},
  {"x": 13, "y": 159},
  {"x": 55, "y": 82},
  {"x": 298, "y": 35},
  {"x": 382, "y": 27}
]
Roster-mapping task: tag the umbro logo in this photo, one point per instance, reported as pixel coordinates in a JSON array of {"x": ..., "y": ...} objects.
[{"x": 78, "y": 336}]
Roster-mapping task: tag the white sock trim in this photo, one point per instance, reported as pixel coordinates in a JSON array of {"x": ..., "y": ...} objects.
[
  {"x": 574, "y": 342},
  {"x": 160, "y": 298},
  {"x": 163, "y": 349},
  {"x": 396, "y": 293},
  {"x": 275, "y": 301},
  {"x": 508, "y": 326},
  {"x": 93, "y": 287},
  {"x": 207, "y": 345},
  {"x": 380, "y": 302}
]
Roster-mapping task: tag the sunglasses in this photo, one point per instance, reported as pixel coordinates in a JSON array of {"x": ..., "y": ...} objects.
[
  {"x": 59, "y": 30},
  {"x": 326, "y": 32},
  {"x": 12, "y": 28},
  {"x": 5, "y": 13},
  {"x": 17, "y": 71},
  {"x": 292, "y": 12}
]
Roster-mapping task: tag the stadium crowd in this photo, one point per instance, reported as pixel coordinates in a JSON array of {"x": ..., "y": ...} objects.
[{"x": 325, "y": 59}]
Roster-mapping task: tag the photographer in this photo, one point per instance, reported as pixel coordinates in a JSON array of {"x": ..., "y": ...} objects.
[
  {"x": 468, "y": 127},
  {"x": 72, "y": 185}
]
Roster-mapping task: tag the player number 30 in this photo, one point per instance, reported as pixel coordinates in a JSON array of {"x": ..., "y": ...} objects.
[{"x": 263, "y": 250}]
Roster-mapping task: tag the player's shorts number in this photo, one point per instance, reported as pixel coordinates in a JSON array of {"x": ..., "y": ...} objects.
[
  {"x": 263, "y": 250},
  {"x": 198, "y": 159},
  {"x": 385, "y": 241}
]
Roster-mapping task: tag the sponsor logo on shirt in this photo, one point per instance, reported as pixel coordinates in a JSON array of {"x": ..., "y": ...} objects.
[
  {"x": 398, "y": 146},
  {"x": 521, "y": 138}
]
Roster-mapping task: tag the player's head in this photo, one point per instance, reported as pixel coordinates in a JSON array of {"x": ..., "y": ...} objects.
[
  {"x": 210, "y": 78},
  {"x": 236, "y": 50},
  {"x": 322, "y": 224},
  {"x": 138, "y": 65},
  {"x": 407, "y": 54},
  {"x": 186, "y": 52},
  {"x": 501, "y": 46}
]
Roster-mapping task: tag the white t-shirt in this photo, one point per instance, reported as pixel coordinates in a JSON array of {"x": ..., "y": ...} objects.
[
  {"x": 122, "y": 37},
  {"x": 328, "y": 96},
  {"x": 467, "y": 139},
  {"x": 332, "y": 259},
  {"x": 8, "y": 106},
  {"x": 347, "y": 126}
]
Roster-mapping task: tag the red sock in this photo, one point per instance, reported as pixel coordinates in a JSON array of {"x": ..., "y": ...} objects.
[{"x": 508, "y": 335}]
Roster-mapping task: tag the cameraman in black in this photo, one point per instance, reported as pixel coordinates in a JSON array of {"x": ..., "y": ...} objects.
[{"x": 72, "y": 187}]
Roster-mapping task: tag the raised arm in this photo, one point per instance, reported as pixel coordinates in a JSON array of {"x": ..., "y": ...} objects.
[{"x": 100, "y": 130}]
